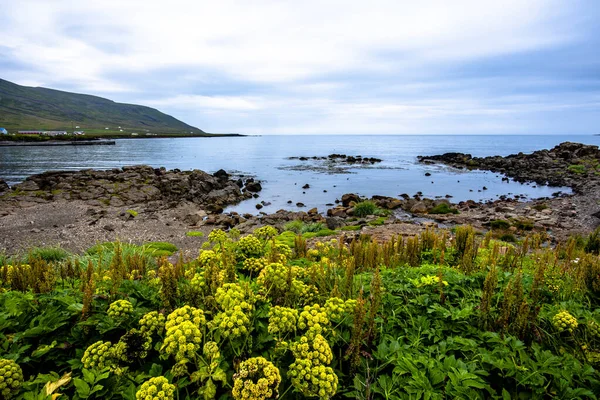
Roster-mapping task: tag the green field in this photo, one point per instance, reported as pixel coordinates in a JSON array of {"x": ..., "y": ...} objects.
[{"x": 442, "y": 315}]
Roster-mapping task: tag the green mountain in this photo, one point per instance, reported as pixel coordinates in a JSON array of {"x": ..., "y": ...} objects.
[{"x": 37, "y": 108}]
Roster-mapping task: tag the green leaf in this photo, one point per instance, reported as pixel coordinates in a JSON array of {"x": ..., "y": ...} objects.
[{"x": 83, "y": 389}]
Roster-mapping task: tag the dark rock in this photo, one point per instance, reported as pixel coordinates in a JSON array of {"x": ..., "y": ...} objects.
[
  {"x": 307, "y": 186},
  {"x": 258, "y": 206},
  {"x": 253, "y": 186},
  {"x": 109, "y": 227},
  {"x": 334, "y": 222},
  {"x": 221, "y": 175},
  {"x": 350, "y": 198},
  {"x": 427, "y": 173},
  {"x": 299, "y": 204}
]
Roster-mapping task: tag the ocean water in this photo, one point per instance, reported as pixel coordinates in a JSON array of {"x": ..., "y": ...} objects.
[{"x": 267, "y": 159}]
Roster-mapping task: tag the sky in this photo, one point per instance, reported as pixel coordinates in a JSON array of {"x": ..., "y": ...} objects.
[{"x": 321, "y": 67}]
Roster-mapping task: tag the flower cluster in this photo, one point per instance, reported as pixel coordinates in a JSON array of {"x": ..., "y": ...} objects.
[
  {"x": 152, "y": 323},
  {"x": 564, "y": 321},
  {"x": 280, "y": 252},
  {"x": 133, "y": 345},
  {"x": 206, "y": 258},
  {"x": 232, "y": 323},
  {"x": 282, "y": 320},
  {"x": 594, "y": 328},
  {"x": 157, "y": 388},
  {"x": 217, "y": 236},
  {"x": 313, "y": 318},
  {"x": 254, "y": 264},
  {"x": 211, "y": 350},
  {"x": 313, "y": 380},
  {"x": 98, "y": 355},
  {"x": 265, "y": 232},
  {"x": 230, "y": 295},
  {"x": 182, "y": 340},
  {"x": 120, "y": 309},
  {"x": 336, "y": 308},
  {"x": 256, "y": 379},
  {"x": 429, "y": 280},
  {"x": 185, "y": 313},
  {"x": 250, "y": 246},
  {"x": 317, "y": 350},
  {"x": 11, "y": 378}
]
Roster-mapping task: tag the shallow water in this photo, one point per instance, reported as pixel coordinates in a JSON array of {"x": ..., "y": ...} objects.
[{"x": 266, "y": 157}]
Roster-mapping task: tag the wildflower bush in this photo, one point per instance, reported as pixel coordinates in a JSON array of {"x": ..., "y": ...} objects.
[{"x": 440, "y": 315}]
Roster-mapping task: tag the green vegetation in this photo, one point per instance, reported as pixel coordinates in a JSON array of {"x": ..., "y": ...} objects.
[
  {"x": 540, "y": 206},
  {"x": 35, "y": 108},
  {"x": 377, "y": 222},
  {"x": 133, "y": 213},
  {"x": 434, "y": 316},
  {"x": 499, "y": 224},
  {"x": 300, "y": 227},
  {"x": 194, "y": 234},
  {"x": 443, "y": 208},
  {"x": 351, "y": 228},
  {"x": 365, "y": 208},
  {"x": 48, "y": 254},
  {"x": 576, "y": 168}
]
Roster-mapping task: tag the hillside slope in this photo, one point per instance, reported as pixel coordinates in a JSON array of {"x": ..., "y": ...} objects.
[{"x": 23, "y": 107}]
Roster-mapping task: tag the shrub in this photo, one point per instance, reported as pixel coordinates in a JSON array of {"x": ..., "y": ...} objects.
[
  {"x": 443, "y": 208},
  {"x": 365, "y": 208},
  {"x": 523, "y": 224},
  {"x": 499, "y": 224},
  {"x": 593, "y": 242},
  {"x": 508, "y": 237},
  {"x": 540, "y": 206},
  {"x": 313, "y": 227},
  {"x": 294, "y": 226}
]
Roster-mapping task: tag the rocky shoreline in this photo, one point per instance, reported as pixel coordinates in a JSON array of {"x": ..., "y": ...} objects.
[{"x": 77, "y": 209}]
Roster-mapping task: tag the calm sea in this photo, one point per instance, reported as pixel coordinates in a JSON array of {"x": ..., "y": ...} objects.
[{"x": 266, "y": 157}]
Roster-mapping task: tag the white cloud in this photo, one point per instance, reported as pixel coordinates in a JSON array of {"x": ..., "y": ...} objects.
[{"x": 308, "y": 59}]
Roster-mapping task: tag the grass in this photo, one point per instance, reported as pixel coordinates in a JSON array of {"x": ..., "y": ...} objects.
[
  {"x": 443, "y": 208},
  {"x": 377, "y": 222},
  {"x": 300, "y": 227},
  {"x": 194, "y": 234},
  {"x": 351, "y": 228},
  {"x": 540, "y": 207},
  {"x": 48, "y": 253},
  {"x": 133, "y": 213},
  {"x": 159, "y": 249},
  {"x": 321, "y": 233},
  {"x": 576, "y": 168},
  {"x": 365, "y": 208}
]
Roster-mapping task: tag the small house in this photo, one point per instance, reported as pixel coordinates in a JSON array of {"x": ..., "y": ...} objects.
[{"x": 3, "y": 131}]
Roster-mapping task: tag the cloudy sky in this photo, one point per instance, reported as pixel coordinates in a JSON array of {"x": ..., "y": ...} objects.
[{"x": 311, "y": 67}]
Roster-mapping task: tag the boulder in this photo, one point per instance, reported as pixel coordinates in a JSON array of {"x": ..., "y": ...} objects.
[
  {"x": 253, "y": 186},
  {"x": 350, "y": 198},
  {"x": 419, "y": 208},
  {"x": 334, "y": 222}
]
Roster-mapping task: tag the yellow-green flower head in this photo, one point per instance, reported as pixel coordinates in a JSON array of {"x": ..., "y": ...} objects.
[
  {"x": 315, "y": 349},
  {"x": 564, "y": 321},
  {"x": 231, "y": 295},
  {"x": 282, "y": 320},
  {"x": 182, "y": 340},
  {"x": 254, "y": 264},
  {"x": 120, "y": 309},
  {"x": 250, "y": 246},
  {"x": 186, "y": 313},
  {"x": 211, "y": 350},
  {"x": 132, "y": 346},
  {"x": 217, "y": 236},
  {"x": 232, "y": 323},
  {"x": 429, "y": 280},
  {"x": 313, "y": 381},
  {"x": 98, "y": 355},
  {"x": 207, "y": 257},
  {"x": 313, "y": 316},
  {"x": 11, "y": 378},
  {"x": 265, "y": 232},
  {"x": 256, "y": 379},
  {"x": 152, "y": 323},
  {"x": 198, "y": 282},
  {"x": 307, "y": 293},
  {"x": 157, "y": 388},
  {"x": 594, "y": 328}
]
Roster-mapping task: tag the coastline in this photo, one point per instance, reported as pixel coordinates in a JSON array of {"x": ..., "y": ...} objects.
[{"x": 57, "y": 209}]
